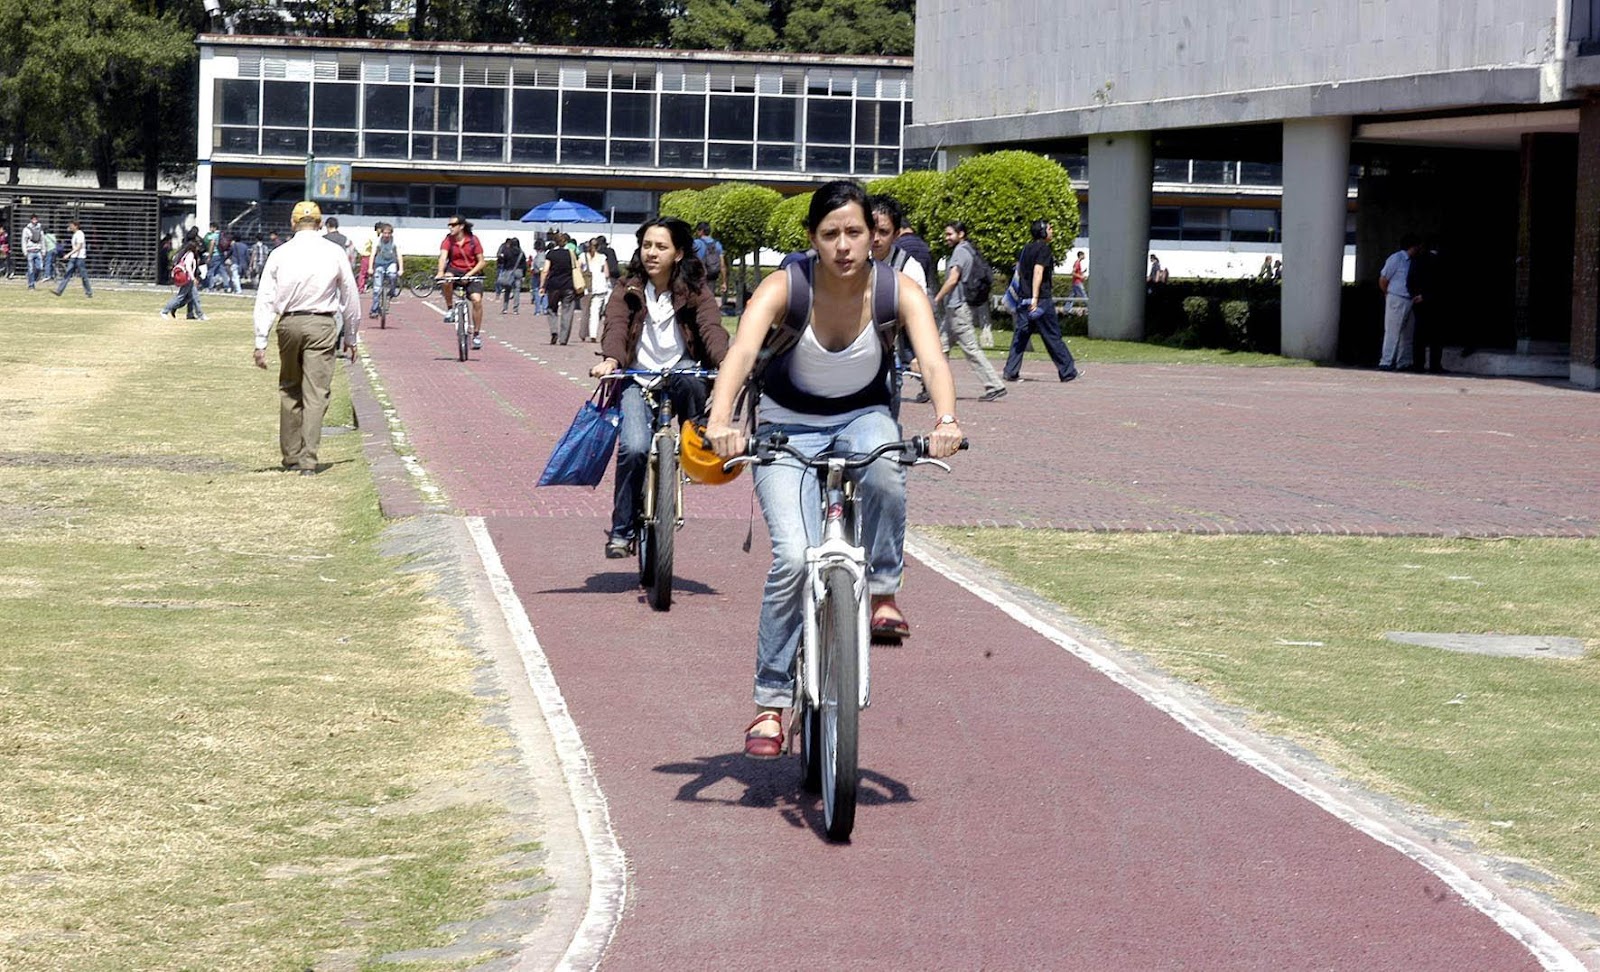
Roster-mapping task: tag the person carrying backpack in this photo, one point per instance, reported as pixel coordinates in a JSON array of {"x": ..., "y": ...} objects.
[
  {"x": 709, "y": 250},
  {"x": 1036, "y": 266},
  {"x": 968, "y": 280},
  {"x": 823, "y": 333}
]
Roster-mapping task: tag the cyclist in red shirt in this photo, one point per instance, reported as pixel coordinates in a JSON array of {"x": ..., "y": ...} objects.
[{"x": 461, "y": 255}]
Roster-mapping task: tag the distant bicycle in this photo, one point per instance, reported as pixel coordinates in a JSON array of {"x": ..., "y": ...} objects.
[
  {"x": 832, "y": 663},
  {"x": 460, "y": 314},
  {"x": 384, "y": 281},
  {"x": 421, "y": 283}
]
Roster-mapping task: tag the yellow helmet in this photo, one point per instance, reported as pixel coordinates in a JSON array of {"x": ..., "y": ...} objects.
[{"x": 698, "y": 461}]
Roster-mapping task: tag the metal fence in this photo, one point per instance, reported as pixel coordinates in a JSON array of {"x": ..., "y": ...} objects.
[{"x": 122, "y": 227}]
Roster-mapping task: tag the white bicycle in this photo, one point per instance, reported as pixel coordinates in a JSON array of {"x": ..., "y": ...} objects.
[{"x": 833, "y": 661}]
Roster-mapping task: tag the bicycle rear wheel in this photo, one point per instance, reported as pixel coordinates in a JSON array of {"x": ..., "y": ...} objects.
[
  {"x": 663, "y": 528},
  {"x": 383, "y": 302},
  {"x": 840, "y": 715}
]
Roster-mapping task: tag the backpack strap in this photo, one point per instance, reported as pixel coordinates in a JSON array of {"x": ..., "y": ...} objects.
[{"x": 886, "y": 304}]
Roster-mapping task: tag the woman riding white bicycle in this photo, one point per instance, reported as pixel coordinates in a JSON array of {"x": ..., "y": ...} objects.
[
  {"x": 461, "y": 255},
  {"x": 661, "y": 317},
  {"x": 830, "y": 390}
]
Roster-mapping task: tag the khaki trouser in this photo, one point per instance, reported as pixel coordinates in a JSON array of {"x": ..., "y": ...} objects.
[{"x": 305, "y": 380}]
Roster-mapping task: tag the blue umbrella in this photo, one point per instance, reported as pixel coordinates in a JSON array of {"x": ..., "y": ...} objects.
[{"x": 562, "y": 211}]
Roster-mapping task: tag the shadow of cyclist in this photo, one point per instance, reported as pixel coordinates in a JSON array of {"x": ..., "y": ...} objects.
[
  {"x": 775, "y": 785},
  {"x": 623, "y": 581}
]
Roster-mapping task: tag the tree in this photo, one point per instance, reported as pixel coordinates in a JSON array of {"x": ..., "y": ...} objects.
[
  {"x": 725, "y": 25},
  {"x": 739, "y": 215},
  {"x": 998, "y": 195},
  {"x": 919, "y": 193},
  {"x": 684, "y": 204},
  {"x": 786, "y": 226},
  {"x": 851, "y": 27}
]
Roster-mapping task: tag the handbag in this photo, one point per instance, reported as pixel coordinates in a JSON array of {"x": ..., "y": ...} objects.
[{"x": 581, "y": 457}]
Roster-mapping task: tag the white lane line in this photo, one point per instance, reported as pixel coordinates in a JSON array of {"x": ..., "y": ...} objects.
[
  {"x": 608, "y": 876},
  {"x": 1550, "y": 953}
]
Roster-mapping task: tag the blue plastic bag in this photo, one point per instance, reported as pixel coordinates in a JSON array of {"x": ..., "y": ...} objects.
[
  {"x": 584, "y": 452},
  {"x": 1014, "y": 296}
]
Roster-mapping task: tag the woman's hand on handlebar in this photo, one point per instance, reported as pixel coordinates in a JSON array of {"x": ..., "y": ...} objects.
[
  {"x": 945, "y": 441},
  {"x": 605, "y": 367},
  {"x": 727, "y": 441}
]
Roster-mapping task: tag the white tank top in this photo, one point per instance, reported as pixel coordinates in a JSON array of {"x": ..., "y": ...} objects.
[{"x": 829, "y": 374}]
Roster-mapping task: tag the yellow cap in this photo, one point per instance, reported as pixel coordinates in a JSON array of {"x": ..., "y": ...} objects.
[{"x": 305, "y": 212}]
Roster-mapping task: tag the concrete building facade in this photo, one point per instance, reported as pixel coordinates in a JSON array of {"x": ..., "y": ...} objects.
[{"x": 1462, "y": 118}]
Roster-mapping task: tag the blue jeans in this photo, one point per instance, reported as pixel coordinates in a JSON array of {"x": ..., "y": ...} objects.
[
  {"x": 792, "y": 504},
  {"x": 388, "y": 273},
  {"x": 75, "y": 266},
  {"x": 35, "y": 266},
  {"x": 1043, "y": 320},
  {"x": 186, "y": 295},
  {"x": 633, "y": 445}
]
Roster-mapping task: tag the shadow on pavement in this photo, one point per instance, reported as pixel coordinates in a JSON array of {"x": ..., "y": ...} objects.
[
  {"x": 621, "y": 582},
  {"x": 774, "y": 785}
]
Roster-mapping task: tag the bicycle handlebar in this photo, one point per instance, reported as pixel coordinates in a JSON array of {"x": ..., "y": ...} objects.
[
  {"x": 765, "y": 451},
  {"x": 458, "y": 277},
  {"x": 653, "y": 373}
]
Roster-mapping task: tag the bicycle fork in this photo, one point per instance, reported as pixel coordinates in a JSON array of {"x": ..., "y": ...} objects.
[{"x": 836, "y": 550}]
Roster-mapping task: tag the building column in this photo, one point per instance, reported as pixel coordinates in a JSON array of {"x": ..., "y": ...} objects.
[
  {"x": 953, "y": 155},
  {"x": 1545, "y": 241},
  {"x": 1584, "y": 364},
  {"x": 1120, "y": 176},
  {"x": 1316, "y": 185}
]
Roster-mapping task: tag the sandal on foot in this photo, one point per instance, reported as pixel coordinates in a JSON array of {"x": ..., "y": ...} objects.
[
  {"x": 757, "y": 746},
  {"x": 888, "y": 624}
]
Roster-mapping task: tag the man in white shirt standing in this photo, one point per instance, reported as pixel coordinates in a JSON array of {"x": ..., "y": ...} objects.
[
  {"x": 306, "y": 288},
  {"x": 1395, "y": 283},
  {"x": 77, "y": 261}
]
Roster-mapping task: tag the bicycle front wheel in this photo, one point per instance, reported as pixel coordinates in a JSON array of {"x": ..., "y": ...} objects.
[
  {"x": 383, "y": 302},
  {"x": 421, "y": 284},
  {"x": 663, "y": 527},
  {"x": 463, "y": 329},
  {"x": 840, "y": 715}
]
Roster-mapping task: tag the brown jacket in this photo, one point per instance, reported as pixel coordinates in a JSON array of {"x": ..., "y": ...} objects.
[{"x": 699, "y": 323}]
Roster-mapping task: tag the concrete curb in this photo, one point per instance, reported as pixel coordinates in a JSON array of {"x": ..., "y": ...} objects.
[{"x": 405, "y": 491}]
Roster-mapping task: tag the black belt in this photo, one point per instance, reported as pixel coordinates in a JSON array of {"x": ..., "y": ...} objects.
[{"x": 309, "y": 314}]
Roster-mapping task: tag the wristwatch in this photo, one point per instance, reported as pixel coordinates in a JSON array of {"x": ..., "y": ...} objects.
[{"x": 946, "y": 419}]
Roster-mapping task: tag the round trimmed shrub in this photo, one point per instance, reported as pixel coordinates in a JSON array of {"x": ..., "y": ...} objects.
[{"x": 998, "y": 195}]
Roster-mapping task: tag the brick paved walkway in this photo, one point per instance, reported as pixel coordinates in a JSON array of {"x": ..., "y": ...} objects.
[{"x": 1129, "y": 447}]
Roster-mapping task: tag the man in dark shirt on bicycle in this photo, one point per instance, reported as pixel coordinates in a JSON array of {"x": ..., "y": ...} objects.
[{"x": 461, "y": 255}]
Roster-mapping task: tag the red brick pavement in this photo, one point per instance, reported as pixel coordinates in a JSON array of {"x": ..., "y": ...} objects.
[{"x": 1128, "y": 447}]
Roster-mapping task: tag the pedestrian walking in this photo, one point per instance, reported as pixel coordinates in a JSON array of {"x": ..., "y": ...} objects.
[
  {"x": 508, "y": 275},
  {"x": 185, "y": 271},
  {"x": 77, "y": 261},
  {"x": 1158, "y": 273},
  {"x": 1429, "y": 294},
  {"x": 1036, "y": 266},
  {"x": 258, "y": 259},
  {"x": 541, "y": 305},
  {"x": 5, "y": 253},
  {"x": 309, "y": 291},
  {"x": 711, "y": 254},
  {"x": 1394, "y": 281},
  {"x": 1080, "y": 279},
  {"x": 51, "y": 255},
  {"x": 33, "y": 250},
  {"x": 599, "y": 269},
  {"x": 962, "y": 303},
  {"x": 237, "y": 263},
  {"x": 557, "y": 286}
]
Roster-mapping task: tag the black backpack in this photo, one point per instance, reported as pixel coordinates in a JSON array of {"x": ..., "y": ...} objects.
[{"x": 979, "y": 284}]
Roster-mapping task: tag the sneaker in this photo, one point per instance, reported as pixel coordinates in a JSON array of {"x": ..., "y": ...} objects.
[
  {"x": 992, "y": 394},
  {"x": 617, "y": 548},
  {"x": 167, "y": 316},
  {"x": 477, "y": 343},
  {"x": 922, "y": 397}
]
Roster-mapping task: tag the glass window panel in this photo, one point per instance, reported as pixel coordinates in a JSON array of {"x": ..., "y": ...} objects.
[
  {"x": 583, "y": 113},
  {"x": 683, "y": 116},
  {"x": 286, "y": 103},
  {"x": 1213, "y": 173},
  {"x": 238, "y": 102},
  {"x": 384, "y": 146},
  {"x": 444, "y": 200},
  {"x": 237, "y": 140},
  {"x": 388, "y": 106},
  {"x": 633, "y": 115},
  {"x": 383, "y": 199},
  {"x": 1204, "y": 223},
  {"x": 1253, "y": 225},
  {"x": 827, "y": 121},
  {"x": 583, "y": 151},
  {"x": 682, "y": 155},
  {"x": 421, "y": 200},
  {"x": 336, "y": 106},
  {"x": 520, "y": 199},
  {"x": 436, "y": 108},
  {"x": 632, "y": 152},
  {"x": 629, "y": 203},
  {"x": 283, "y": 141},
  {"x": 1171, "y": 170},
  {"x": 438, "y": 148},
  {"x": 885, "y": 162},
  {"x": 481, "y": 202},
  {"x": 334, "y": 144},
  {"x": 535, "y": 150},
  {"x": 1261, "y": 174},
  {"x": 877, "y": 123},
  {"x": 1164, "y": 222},
  {"x": 778, "y": 118},
  {"x": 777, "y": 158},
  {"x": 483, "y": 148},
  {"x": 827, "y": 159},
  {"x": 733, "y": 118},
  {"x": 533, "y": 112},
  {"x": 236, "y": 188},
  {"x": 484, "y": 110},
  {"x": 726, "y": 155}
]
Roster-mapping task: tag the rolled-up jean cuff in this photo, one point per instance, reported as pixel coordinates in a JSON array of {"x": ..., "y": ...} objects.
[{"x": 774, "y": 696}]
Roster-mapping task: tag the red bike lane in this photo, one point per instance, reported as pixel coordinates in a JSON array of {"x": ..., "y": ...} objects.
[{"x": 1020, "y": 809}]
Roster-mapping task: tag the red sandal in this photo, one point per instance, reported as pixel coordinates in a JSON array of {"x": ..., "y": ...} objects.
[
  {"x": 757, "y": 746},
  {"x": 888, "y": 624}
]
